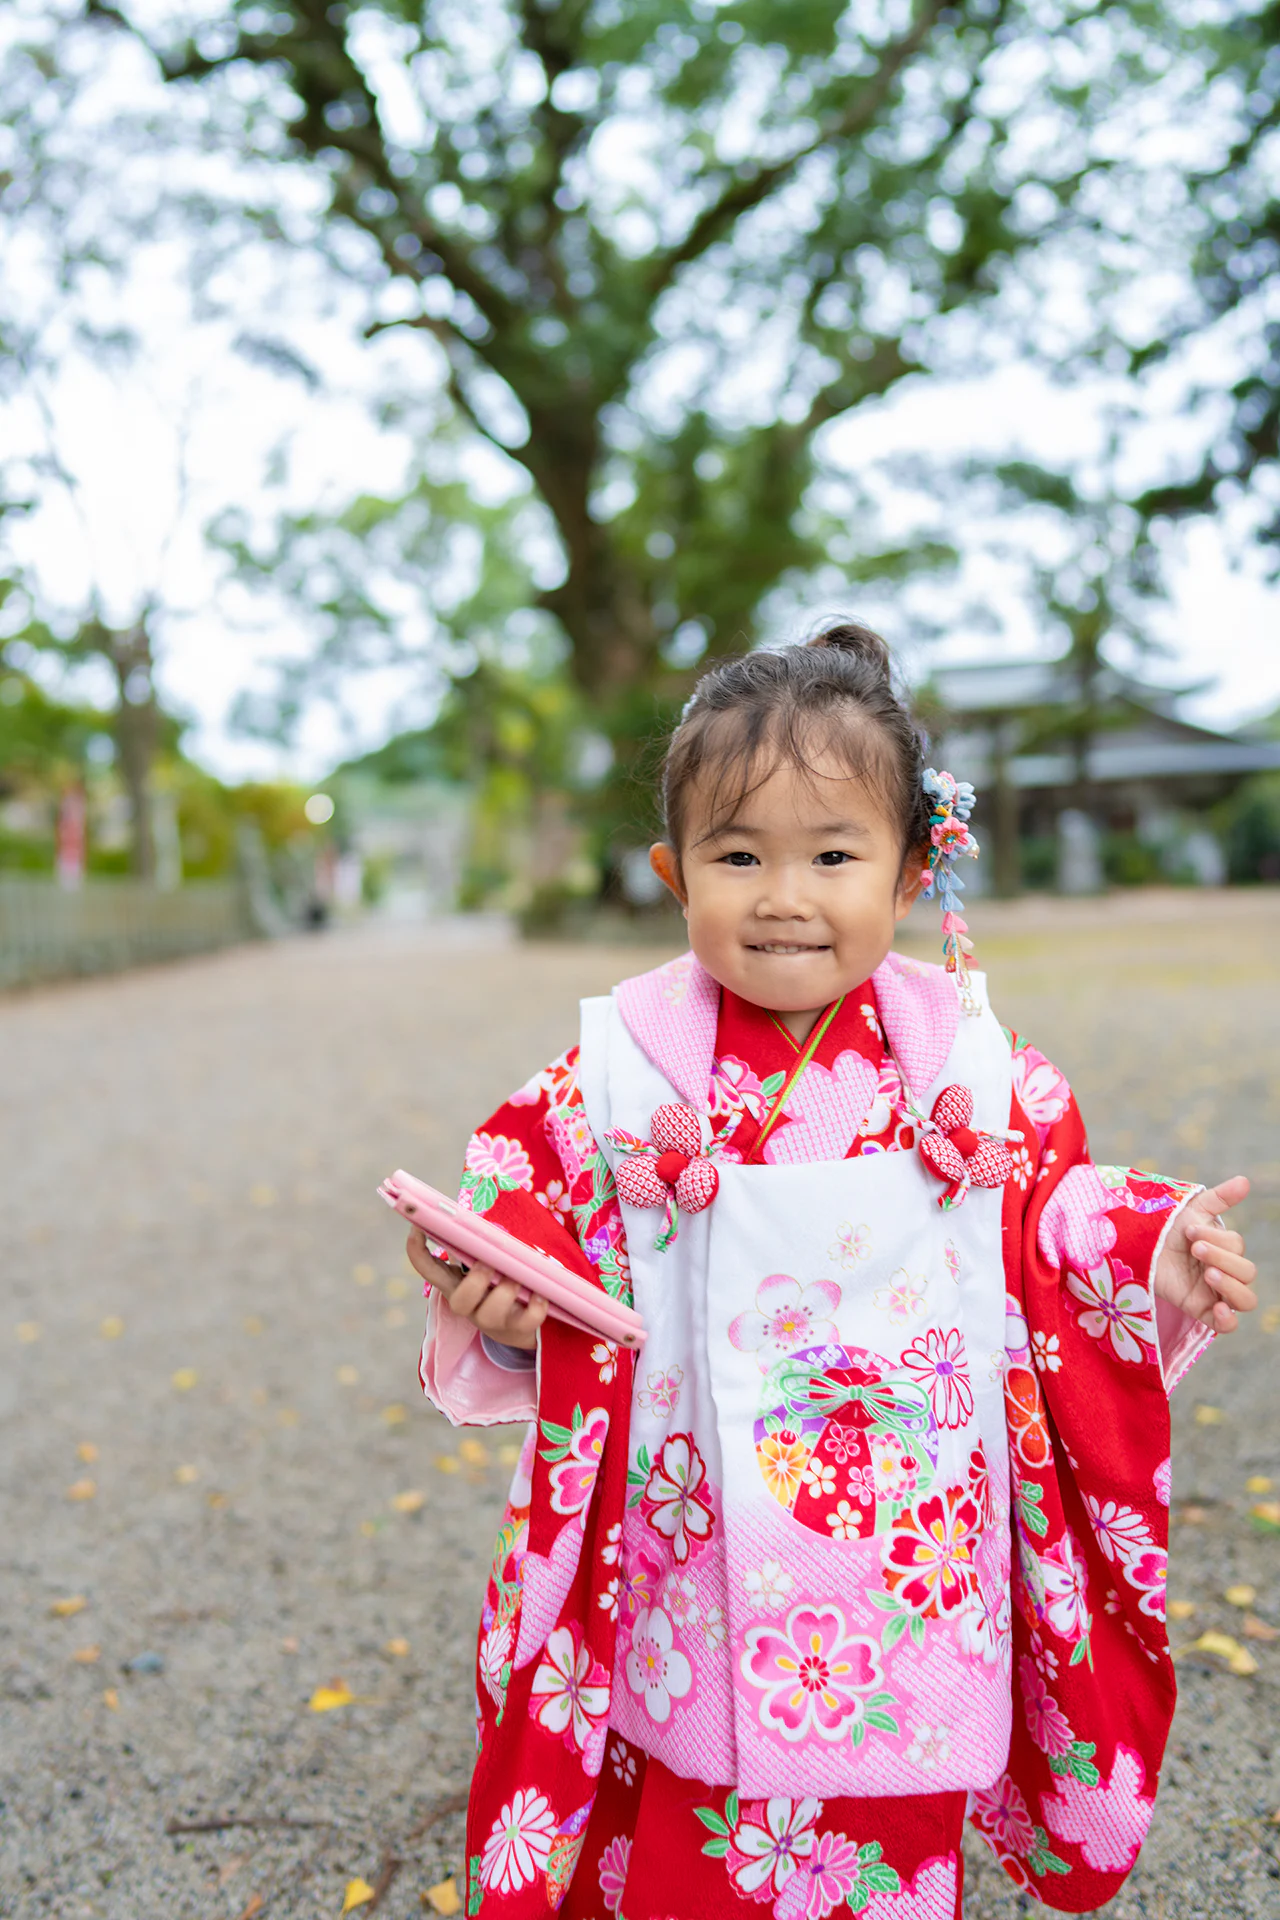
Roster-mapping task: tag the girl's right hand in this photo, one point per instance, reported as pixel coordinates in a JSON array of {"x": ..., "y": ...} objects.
[{"x": 493, "y": 1305}]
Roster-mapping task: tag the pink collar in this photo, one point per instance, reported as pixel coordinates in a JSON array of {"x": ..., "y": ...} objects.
[{"x": 672, "y": 1014}]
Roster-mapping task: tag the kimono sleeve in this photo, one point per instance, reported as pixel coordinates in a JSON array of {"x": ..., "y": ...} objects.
[
  {"x": 514, "y": 1172},
  {"x": 1095, "y": 1231}
]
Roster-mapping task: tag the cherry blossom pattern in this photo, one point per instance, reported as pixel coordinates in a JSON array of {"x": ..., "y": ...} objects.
[
  {"x": 761, "y": 1843},
  {"x": 1148, "y": 1572},
  {"x": 895, "y": 1473},
  {"x": 1046, "y": 1351},
  {"x": 495, "y": 1659},
  {"x": 660, "y": 1393},
  {"x": 735, "y": 1089},
  {"x": 902, "y": 1297},
  {"x": 1039, "y": 1089},
  {"x": 1162, "y": 1481},
  {"x": 519, "y": 1844},
  {"x": 1117, "y": 1308},
  {"x": 937, "y": 1361},
  {"x": 655, "y": 1667},
  {"x": 570, "y": 1693},
  {"x": 676, "y": 1498},
  {"x": 812, "y": 1673},
  {"x": 1065, "y": 1578},
  {"x": 769, "y": 1586},
  {"x": 623, "y": 1762},
  {"x": 614, "y": 1862},
  {"x": 928, "y": 1555},
  {"x": 576, "y": 1452},
  {"x": 605, "y": 1356},
  {"x": 786, "y": 1318},
  {"x": 851, "y": 1243}
]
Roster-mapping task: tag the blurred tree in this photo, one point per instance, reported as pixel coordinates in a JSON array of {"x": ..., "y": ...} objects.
[{"x": 661, "y": 246}]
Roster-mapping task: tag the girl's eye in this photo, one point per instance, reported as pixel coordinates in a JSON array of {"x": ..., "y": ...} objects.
[
  {"x": 740, "y": 858},
  {"x": 833, "y": 858}
]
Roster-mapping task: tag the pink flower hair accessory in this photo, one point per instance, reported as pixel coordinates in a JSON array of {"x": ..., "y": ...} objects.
[
  {"x": 951, "y": 803},
  {"x": 672, "y": 1169}
]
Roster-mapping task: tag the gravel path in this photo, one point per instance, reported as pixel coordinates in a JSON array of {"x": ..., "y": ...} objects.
[{"x": 213, "y": 1437}]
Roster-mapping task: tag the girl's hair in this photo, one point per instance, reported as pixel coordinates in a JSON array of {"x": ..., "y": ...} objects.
[{"x": 750, "y": 715}]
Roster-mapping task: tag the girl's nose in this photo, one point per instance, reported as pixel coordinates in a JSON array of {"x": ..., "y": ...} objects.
[{"x": 783, "y": 897}]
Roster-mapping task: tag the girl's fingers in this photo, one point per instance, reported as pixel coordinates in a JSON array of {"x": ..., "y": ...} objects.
[
  {"x": 1227, "y": 1194},
  {"x": 1234, "y": 1293},
  {"x": 1222, "y": 1258},
  {"x": 1221, "y": 1318},
  {"x": 1215, "y": 1235}
]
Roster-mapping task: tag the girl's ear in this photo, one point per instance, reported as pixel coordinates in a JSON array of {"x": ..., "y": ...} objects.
[
  {"x": 911, "y": 882},
  {"x": 662, "y": 859}
]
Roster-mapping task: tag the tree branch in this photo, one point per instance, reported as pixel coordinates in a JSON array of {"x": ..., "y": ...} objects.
[{"x": 747, "y": 193}]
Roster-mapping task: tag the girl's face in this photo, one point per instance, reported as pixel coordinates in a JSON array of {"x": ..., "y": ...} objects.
[{"x": 794, "y": 899}]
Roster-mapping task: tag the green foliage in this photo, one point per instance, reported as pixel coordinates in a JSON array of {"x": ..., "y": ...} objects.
[
  {"x": 829, "y": 181},
  {"x": 1250, "y": 827}
]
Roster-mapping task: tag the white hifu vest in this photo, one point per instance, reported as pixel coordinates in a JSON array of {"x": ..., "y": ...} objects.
[{"x": 815, "y": 1555}]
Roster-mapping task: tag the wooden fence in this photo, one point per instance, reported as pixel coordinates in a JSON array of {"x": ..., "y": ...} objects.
[{"x": 51, "y": 933}]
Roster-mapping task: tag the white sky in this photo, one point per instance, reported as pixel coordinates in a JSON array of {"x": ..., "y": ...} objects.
[{"x": 159, "y": 447}]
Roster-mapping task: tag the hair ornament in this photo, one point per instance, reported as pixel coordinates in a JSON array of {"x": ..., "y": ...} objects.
[{"x": 951, "y": 803}]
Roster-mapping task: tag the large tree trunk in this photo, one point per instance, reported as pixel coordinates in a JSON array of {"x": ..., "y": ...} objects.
[{"x": 137, "y": 733}]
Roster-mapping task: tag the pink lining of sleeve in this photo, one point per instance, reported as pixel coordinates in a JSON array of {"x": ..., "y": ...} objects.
[
  {"x": 459, "y": 1378},
  {"x": 1180, "y": 1339}
]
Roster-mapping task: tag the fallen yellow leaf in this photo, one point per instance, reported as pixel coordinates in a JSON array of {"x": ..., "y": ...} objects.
[
  {"x": 216, "y": 1499},
  {"x": 82, "y": 1489},
  {"x": 1181, "y": 1609},
  {"x": 447, "y": 1463},
  {"x": 368, "y": 1528},
  {"x": 87, "y": 1452},
  {"x": 1254, "y": 1629},
  {"x": 110, "y": 1698},
  {"x": 74, "y": 1603},
  {"x": 112, "y": 1327},
  {"x": 397, "y": 1289},
  {"x": 363, "y": 1275},
  {"x": 336, "y": 1694},
  {"x": 253, "y": 1323},
  {"x": 28, "y": 1331},
  {"x": 1271, "y": 1320},
  {"x": 1258, "y": 1483},
  {"x": 398, "y": 1647},
  {"x": 474, "y": 1452},
  {"x": 348, "y": 1376},
  {"x": 395, "y": 1416},
  {"x": 509, "y": 1455},
  {"x": 252, "y": 1908},
  {"x": 262, "y": 1195},
  {"x": 409, "y": 1502},
  {"x": 184, "y": 1379},
  {"x": 1242, "y": 1595},
  {"x": 1238, "y": 1658},
  {"x": 359, "y": 1894},
  {"x": 1208, "y": 1416},
  {"x": 186, "y": 1476},
  {"x": 393, "y": 1317},
  {"x": 288, "y": 1416},
  {"x": 85, "y": 1656},
  {"x": 443, "y": 1898},
  {"x": 1267, "y": 1510}
]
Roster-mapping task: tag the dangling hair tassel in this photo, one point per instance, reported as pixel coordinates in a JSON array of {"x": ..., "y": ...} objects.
[{"x": 951, "y": 803}]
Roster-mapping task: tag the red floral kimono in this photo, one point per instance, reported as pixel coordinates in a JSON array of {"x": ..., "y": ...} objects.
[{"x": 567, "y": 1815}]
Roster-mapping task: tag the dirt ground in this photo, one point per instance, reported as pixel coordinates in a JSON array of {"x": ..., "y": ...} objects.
[{"x": 212, "y": 1433}]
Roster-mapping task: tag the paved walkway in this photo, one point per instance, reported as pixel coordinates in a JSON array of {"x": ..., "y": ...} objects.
[{"x": 212, "y": 1435}]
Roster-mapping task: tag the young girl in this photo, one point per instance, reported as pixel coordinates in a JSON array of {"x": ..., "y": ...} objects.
[{"x": 875, "y": 1525}]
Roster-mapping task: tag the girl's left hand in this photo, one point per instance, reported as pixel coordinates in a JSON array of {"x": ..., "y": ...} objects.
[{"x": 1203, "y": 1268}]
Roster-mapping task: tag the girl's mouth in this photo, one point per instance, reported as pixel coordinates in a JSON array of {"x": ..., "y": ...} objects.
[{"x": 781, "y": 947}]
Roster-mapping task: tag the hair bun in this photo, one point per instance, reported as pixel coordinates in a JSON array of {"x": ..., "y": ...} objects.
[{"x": 865, "y": 645}]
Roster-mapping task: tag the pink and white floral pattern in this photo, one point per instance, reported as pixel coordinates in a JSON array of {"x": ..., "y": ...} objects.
[
  {"x": 1107, "y": 1822},
  {"x": 1149, "y": 1573},
  {"x": 1066, "y": 1587},
  {"x": 573, "y": 1477},
  {"x": 1118, "y": 1309},
  {"x": 1046, "y": 1722},
  {"x": 786, "y": 1318},
  {"x": 1121, "y": 1531},
  {"x": 494, "y": 1157},
  {"x": 1039, "y": 1089},
  {"x": 614, "y": 1862},
  {"x": 929, "y": 1554},
  {"x": 822, "y": 1881},
  {"x": 811, "y": 1672},
  {"x": 570, "y": 1693},
  {"x": 655, "y": 1666},
  {"x": 768, "y": 1838}
]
